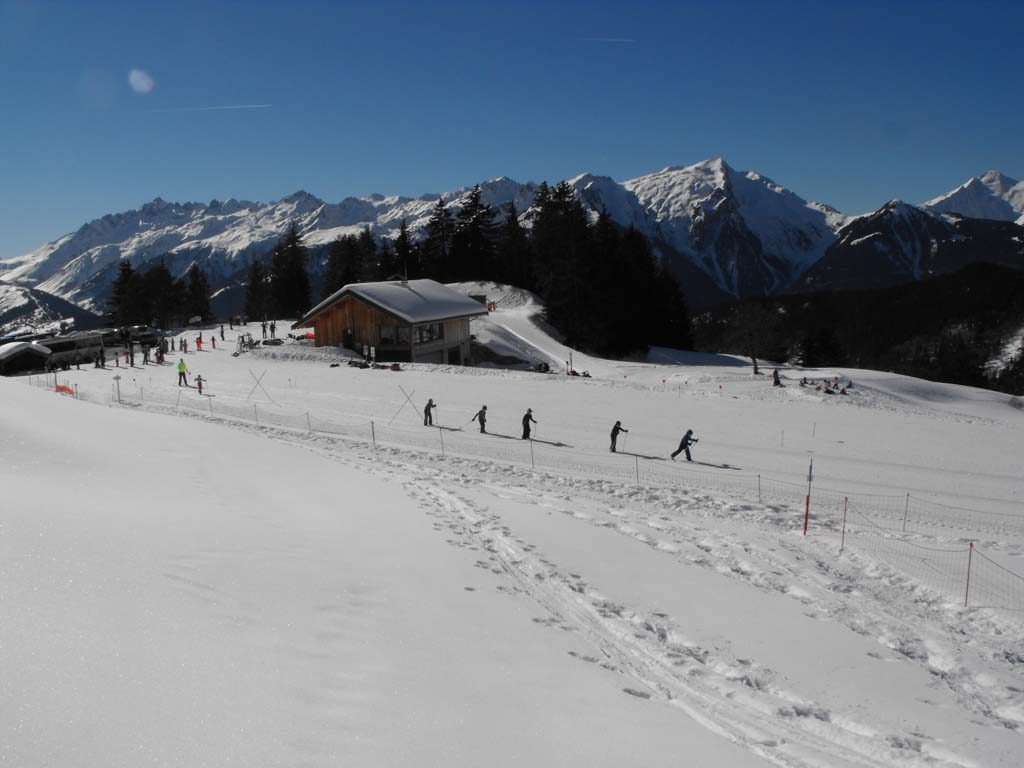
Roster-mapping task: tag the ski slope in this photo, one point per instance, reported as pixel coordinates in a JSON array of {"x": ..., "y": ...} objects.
[{"x": 244, "y": 578}]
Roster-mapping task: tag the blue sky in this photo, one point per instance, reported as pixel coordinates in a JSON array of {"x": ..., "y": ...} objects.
[{"x": 846, "y": 103}]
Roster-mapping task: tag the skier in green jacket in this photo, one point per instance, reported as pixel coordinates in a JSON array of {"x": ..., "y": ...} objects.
[{"x": 182, "y": 370}]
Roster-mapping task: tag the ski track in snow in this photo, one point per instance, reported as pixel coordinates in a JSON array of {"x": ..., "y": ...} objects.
[{"x": 737, "y": 698}]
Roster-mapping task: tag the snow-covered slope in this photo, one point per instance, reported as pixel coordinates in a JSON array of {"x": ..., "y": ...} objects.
[
  {"x": 746, "y": 233},
  {"x": 723, "y": 232},
  {"x": 276, "y": 581},
  {"x": 989, "y": 196},
  {"x": 25, "y": 310},
  {"x": 750, "y": 234},
  {"x": 901, "y": 243}
]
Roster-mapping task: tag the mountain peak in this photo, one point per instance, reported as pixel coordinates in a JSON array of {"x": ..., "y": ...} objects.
[{"x": 998, "y": 182}]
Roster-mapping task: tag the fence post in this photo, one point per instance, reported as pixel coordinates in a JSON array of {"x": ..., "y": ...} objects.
[
  {"x": 814, "y": 430},
  {"x": 906, "y": 510},
  {"x": 373, "y": 433},
  {"x": 256, "y": 414},
  {"x": 76, "y": 390},
  {"x": 807, "y": 502},
  {"x": 759, "y": 490},
  {"x": 842, "y": 542},
  {"x": 211, "y": 404},
  {"x": 309, "y": 424},
  {"x": 636, "y": 460},
  {"x": 967, "y": 589},
  {"x": 532, "y": 465},
  {"x": 440, "y": 433}
]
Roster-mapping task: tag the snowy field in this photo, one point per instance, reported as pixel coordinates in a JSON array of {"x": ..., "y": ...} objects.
[{"x": 297, "y": 572}]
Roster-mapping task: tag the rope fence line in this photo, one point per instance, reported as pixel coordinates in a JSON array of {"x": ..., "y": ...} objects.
[{"x": 881, "y": 527}]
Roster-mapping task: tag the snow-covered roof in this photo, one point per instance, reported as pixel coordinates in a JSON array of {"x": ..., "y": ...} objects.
[
  {"x": 414, "y": 301},
  {"x": 17, "y": 347}
]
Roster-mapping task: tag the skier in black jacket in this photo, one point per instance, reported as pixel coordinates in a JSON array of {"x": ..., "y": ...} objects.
[
  {"x": 684, "y": 445},
  {"x": 428, "y": 416},
  {"x": 527, "y": 418},
  {"x": 481, "y": 416},
  {"x": 615, "y": 433}
]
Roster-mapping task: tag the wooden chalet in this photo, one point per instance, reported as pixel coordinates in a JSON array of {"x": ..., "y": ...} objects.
[{"x": 418, "y": 321}]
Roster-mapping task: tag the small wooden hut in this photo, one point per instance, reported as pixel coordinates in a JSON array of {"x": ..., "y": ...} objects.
[{"x": 418, "y": 321}]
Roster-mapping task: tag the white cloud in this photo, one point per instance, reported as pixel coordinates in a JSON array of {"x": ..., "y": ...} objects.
[{"x": 141, "y": 81}]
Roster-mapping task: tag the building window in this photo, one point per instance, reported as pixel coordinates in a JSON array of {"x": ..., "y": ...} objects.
[
  {"x": 404, "y": 335},
  {"x": 428, "y": 333},
  {"x": 388, "y": 335}
]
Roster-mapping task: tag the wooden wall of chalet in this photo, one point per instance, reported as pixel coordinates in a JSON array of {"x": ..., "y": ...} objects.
[{"x": 365, "y": 322}]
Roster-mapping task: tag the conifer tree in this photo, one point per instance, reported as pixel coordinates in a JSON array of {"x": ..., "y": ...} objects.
[
  {"x": 197, "y": 298},
  {"x": 436, "y": 247},
  {"x": 473, "y": 239},
  {"x": 388, "y": 267},
  {"x": 406, "y": 257},
  {"x": 289, "y": 276},
  {"x": 513, "y": 260},
  {"x": 368, "y": 256},
  {"x": 118, "y": 303},
  {"x": 257, "y": 292},
  {"x": 165, "y": 303}
]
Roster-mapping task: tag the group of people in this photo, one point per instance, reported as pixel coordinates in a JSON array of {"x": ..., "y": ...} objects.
[
  {"x": 833, "y": 387},
  {"x": 272, "y": 327},
  {"x": 528, "y": 421}
]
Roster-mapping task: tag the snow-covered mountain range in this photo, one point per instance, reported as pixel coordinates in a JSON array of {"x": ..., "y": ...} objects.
[
  {"x": 724, "y": 232},
  {"x": 989, "y": 196},
  {"x": 25, "y": 310}
]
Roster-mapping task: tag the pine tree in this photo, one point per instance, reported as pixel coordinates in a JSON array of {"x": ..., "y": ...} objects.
[
  {"x": 388, "y": 264},
  {"x": 406, "y": 255},
  {"x": 197, "y": 298},
  {"x": 436, "y": 247},
  {"x": 257, "y": 292},
  {"x": 513, "y": 262},
  {"x": 118, "y": 303},
  {"x": 289, "y": 286},
  {"x": 368, "y": 256},
  {"x": 164, "y": 302},
  {"x": 473, "y": 239}
]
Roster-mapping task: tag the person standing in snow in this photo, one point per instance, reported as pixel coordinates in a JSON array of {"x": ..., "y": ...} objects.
[
  {"x": 775, "y": 378},
  {"x": 527, "y": 418},
  {"x": 481, "y": 416},
  {"x": 273, "y": 329},
  {"x": 428, "y": 417},
  {"x": 199, "y": 343},
  {"x": 182, "y": 370},
  {"x": 199, "y": 383},
  {"x": 222, "y": 331},
  {"x": 684, "y": 445},
  {"x": 264, "y": 324},
  {"x": 615, "y": 434}
]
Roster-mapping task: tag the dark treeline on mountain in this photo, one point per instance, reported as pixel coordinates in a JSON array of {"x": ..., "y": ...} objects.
[
  {"x": 153, "y": 296},
  {"x": 944, "y": 329},
  {"x": 603, "y": 288},
  {"x": 360, "y": 258}
]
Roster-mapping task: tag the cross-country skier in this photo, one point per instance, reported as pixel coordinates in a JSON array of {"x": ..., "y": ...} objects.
[
  {"x": 615, "y": 434},
  {"x": 222, "y": 331},
  {"x": 428, "y": 416},
  {"x": 481, "y": 416},
  {"x": 182, "y": 370},
  {"x": 684, "y": 445},
  {"x": 527, "y": 418},
  {"x": 199, "y": 383}
]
